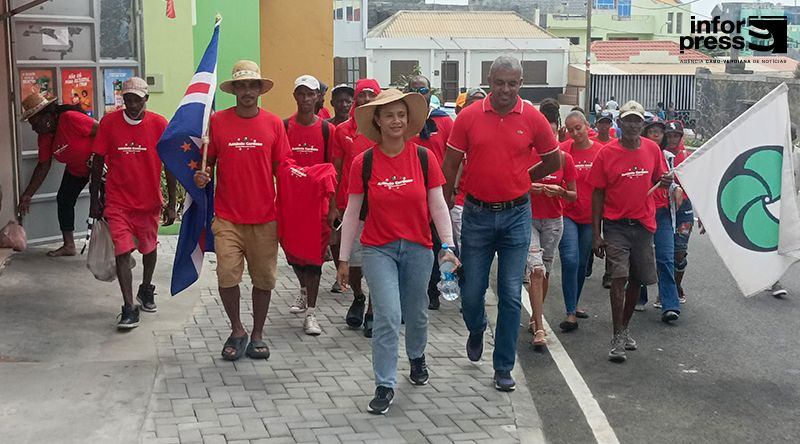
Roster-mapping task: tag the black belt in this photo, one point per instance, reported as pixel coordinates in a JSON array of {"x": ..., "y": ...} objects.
[
  {"x": 499, "y": 206},
  {"x": 630, "y": 222}
]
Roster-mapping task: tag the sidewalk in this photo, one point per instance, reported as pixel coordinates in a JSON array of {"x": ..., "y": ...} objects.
[{"x": 312, "y": 389}]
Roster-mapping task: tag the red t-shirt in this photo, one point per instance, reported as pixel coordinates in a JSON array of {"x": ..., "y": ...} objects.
[
  {"x": 627, "y": 176},
  {"x": 307, "y": 144},
  {"x": 580, "y": 210},
  {"x": 544, "y": 207},
  {"x": 303, "y": 199},
  {"x": 133, "y": 180},
  {"x": 596, "y": 140},
  {"x": 324, "y": 114},
  {"x": 398, "y": 200},
  {"x": 661, "y": 195},
  {"x": 71, "y": 144},
  {"x": 245, "y": 150},
  {"x": 499, "y": 148},
  {"x": 438, "y": 140},
  {"x": 346, "y": 146},
  {"x": 459, "y": 200}
]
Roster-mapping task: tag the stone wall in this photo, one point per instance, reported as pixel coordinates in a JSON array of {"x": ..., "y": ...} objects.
[{"x": 721, "y": 97}]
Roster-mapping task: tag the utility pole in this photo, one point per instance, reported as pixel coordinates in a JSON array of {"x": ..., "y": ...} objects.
[{"x": 587, "y": 99}]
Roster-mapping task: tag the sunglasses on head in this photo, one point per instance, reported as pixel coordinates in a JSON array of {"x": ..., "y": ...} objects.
[{"x": 423, "y": 90}]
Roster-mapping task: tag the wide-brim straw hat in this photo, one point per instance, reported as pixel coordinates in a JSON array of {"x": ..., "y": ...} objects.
[
  {"x": 33, "y": 104},
  {"x": 417, "y": 113},
  {"x": 246, "y": 70}
]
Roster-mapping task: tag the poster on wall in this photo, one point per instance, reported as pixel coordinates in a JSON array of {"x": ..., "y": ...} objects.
[
  {"x": 112, "y": 87},
  {"x": 37, "y": 81},
  {"x": 77, "y": 88}
]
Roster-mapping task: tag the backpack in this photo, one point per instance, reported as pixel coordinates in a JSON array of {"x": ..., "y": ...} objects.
[
  {"x": 366, "y": 173},
  {"x": 326, "y": 132}
]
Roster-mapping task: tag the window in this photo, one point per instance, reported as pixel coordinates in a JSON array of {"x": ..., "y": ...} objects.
[
  {"x": 575, "y": 40},
  {"x": 604, "y": 4},
  {"x": 624, "y": 8},
  {"x": 117, "y": 39},
  {"x": 401, "y": 68},
  {"x": 339, "y": 15},
  {"x": 349, "y": 13},
  {"x": 679, "y": 22},
  {"x": 357, "y": 15},
  {"x": 485, "y": 66},
  {"x": 669, "y": 22},
  {"x": 349, "y": 69},
  {"x": 534, "y": 72}
]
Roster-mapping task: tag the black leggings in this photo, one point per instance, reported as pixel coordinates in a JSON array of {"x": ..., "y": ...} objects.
[{"x": 68, "y": 192}]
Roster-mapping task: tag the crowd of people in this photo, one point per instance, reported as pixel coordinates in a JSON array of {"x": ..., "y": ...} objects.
[{"x": 389, "y": 188}]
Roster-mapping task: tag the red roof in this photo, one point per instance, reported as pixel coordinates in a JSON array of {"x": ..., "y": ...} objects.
[{"x": 623, "y": 50}]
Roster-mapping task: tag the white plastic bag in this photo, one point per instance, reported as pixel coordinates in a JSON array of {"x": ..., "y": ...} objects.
[{"x": 100, "y": 259}]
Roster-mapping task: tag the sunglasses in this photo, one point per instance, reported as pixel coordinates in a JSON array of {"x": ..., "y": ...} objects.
[{"x": 424, "y": 90}]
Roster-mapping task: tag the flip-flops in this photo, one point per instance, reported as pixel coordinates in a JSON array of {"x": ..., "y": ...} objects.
[
  {"x": 581, "y": 314},
  {"x": 237, "y": 344},
  {"x": 253, "y": 354},
  {"x": 568, "y": 326}
]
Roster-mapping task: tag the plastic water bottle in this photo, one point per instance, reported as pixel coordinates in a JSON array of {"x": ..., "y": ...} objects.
[{"x": 448, "y": 283}]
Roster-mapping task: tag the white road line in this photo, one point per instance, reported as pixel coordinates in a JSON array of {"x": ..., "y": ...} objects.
[{"x": 597, "y": 420}]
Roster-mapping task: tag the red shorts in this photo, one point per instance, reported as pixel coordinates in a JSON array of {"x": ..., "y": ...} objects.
[
  {"x": 302, "y": 262},
  {"x": 125, "y": 225}
]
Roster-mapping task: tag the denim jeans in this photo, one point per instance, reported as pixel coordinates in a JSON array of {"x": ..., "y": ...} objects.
[
  {"x": 574, "y": 250},
  {"x": 484, "y": 233},
  {"x": 394, "y": 274},
  {"x": 665, "y": 263}
]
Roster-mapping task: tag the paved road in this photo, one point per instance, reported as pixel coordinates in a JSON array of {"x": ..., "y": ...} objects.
[{"x": 726, "y": 372}]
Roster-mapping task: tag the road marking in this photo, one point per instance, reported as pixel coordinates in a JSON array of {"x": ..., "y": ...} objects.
[{"x": 597, "y": 420}]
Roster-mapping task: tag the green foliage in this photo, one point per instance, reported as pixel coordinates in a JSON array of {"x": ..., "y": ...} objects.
[
  {"x": 403, "y": 80},
  {"x": 181, "y": 194}
]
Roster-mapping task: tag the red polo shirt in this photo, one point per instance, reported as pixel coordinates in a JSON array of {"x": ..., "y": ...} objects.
[
  {"x": 627, "y": 176},
  {"x": 499, "y": 148},
  {"x": 437, "y": 143},
  {"x": 346, "y": 146}
]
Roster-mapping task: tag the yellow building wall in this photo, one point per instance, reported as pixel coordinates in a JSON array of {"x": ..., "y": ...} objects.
[{"x": 296, "y": 39}]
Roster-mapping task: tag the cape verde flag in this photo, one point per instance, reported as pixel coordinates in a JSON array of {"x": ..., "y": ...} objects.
[{"x": 180, "y": 148}]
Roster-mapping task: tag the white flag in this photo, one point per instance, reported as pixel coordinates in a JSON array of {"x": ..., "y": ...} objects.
[{"x": 735, "y": 182}]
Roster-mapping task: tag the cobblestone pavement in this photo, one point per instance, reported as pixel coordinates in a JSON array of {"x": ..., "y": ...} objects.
[{"x": 315, "y": 389}]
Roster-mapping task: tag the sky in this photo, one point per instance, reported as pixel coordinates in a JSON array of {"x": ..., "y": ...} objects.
[{"x": 705, "y": 6}]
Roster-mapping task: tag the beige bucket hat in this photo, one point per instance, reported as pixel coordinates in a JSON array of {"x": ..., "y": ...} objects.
[
  {"x": 33, "y": 104},
  {"x": 246, "y": 70},
  {"x": 417, "y": 113}
]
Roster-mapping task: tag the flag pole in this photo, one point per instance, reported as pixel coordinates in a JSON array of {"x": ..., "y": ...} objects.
[{"x": 205, "y": 152}]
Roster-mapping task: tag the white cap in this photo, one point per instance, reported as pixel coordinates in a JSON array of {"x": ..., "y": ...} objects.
[{"x": 308, "y": 81}]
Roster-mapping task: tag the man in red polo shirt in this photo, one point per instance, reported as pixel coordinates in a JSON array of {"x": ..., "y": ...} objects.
[
  {"x": 347, "y": 144},
  {"x": 433, "y": 136},
  {"x": 126, "y": 142},
  {"x": 622, "y": 175},
  {"x": 498, "y": 135},
  {"x": 247, "y": 143}
]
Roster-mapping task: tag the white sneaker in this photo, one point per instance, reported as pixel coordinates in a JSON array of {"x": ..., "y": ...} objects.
[
  {"x": 300, "y": 304},
  {"x": 311, "y": 326},
  {"x": 778, "y": 290}
]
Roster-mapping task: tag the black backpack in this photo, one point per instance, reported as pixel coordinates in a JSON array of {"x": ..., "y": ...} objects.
[
  {"x": 326, "y": 132},
  {"x": 366, "y": 173}
]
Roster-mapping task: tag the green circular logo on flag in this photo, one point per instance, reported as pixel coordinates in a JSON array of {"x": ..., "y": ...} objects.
[{"x": 749, "y": 185}]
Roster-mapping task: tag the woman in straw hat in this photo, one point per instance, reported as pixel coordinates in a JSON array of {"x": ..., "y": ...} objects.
[
  {"x": 402, "y": 184},
  {"x": 65, "y": 133}
]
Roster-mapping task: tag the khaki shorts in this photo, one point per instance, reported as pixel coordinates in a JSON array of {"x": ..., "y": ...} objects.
[
  {"x": 630, "y": 252},
  {"x": 235, "y": 243}
]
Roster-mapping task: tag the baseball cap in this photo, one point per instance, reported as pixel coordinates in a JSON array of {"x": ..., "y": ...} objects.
[
  {"x": 631, "y": 108},
  {"x": 344, "y": 87},
  {"x": 474, "y": 91},
  {"x": 605, "y": 115},
  {"x": 323, "y": 87},
  {"x": 674, "y": 126},
  {"x": 308, "y": 81},
  {"x": 135, "y": 85}
]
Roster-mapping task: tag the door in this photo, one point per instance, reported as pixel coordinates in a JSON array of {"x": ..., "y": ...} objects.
[{"x": 449, "y": 81}]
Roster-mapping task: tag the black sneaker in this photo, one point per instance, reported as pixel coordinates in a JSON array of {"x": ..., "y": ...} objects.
[
  {"x": 419, "y": 371},
  {"x": 368, "y": 325},
  {"x": 355, "y": 314},
  {"x": 503, "y": 381},
  {"x": 147, "y": 298},
  {"x": 433, "y": 303},
  {"x": 129, "y": 318},
  {"x": 382, "y": 400},
  {"x": 475, "y": 346},
  {"x": 606, "y": 280},
  {"x": 670, "y": 316}
]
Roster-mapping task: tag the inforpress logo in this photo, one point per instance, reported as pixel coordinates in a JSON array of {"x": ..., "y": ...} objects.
[{"x": 766, "y": 33}]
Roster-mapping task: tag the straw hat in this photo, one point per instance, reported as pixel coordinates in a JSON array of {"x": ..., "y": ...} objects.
[
  {"x": 417, "y": 113},
  {"x": 246, "y": 70},
  {"x": 33, "y": 104}
]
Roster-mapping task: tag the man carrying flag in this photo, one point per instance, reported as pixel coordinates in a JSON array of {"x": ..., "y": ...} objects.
[{"x": 246, "y": 145}]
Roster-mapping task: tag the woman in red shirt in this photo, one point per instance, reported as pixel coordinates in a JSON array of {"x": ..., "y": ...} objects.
[
  {"x": 401, "y": 200},
  {"x": 65, "y": 133}
]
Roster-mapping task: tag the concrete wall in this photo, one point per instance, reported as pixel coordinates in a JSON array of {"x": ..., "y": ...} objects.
[
  {"x": 296, "y": 39},
  {"x": 161, "y": 38},
  {"x": 348, "y": 39},
  {"x": 381, "y": 10},
  {"x": 720, "y": 98},
  {"x": 6, "y": 147},
  {"x": 239, "y": 36}
]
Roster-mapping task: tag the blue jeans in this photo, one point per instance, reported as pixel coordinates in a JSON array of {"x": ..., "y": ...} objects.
[
  {"x": 484, "y": 233},
  {"x": 397, "y": 277},
  {"x": 665, "y": 263},
  {"x": 575, "y": 249}
]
